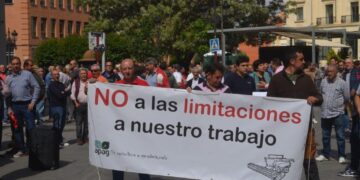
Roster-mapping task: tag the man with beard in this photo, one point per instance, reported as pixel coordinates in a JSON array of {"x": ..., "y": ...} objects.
[
  {"x": 155, "y": 77},
  {"x": 293, "y": 83}
]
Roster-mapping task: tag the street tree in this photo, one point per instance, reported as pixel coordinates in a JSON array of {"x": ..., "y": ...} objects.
[{"x": 176, "y": 28}]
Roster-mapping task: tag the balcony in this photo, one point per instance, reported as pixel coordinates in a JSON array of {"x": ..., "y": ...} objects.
[
  {"x": 350, "y": 19},
  {"x": 325, "y": 20}
]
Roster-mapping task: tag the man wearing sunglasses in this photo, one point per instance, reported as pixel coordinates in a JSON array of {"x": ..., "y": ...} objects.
[{"x": 96, "y": 74}]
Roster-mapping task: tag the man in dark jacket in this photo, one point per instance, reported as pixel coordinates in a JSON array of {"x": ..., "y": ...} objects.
[
  {"x": 240, "y": 82},
  {"x": 57, "y": 103},
  {"x": 293, "y": 83},
  {"x": 196, "y": 80},
  {"x": 109, "y": 73}
]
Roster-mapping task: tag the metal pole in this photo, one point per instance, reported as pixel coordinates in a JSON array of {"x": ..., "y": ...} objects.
[
  {"x": 214, "y": 16},
  {"x": 222, "y": 34},
  {"x": 223, "y": 48},
  {"x": 103, "y": 56},
  {"x": 313, "y": 54}
]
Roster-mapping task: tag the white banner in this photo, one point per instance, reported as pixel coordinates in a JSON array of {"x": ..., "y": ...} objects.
[{"x": 196, "y": 135}]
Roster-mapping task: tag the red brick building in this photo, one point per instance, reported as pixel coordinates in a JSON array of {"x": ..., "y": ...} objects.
[{"x": 37, "y": 20}]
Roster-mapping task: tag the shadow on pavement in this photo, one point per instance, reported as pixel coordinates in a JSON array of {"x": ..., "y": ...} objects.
[
  {"x": 5, "y": 160},
  {"x": 72, "y": 141},
  {"x": 26, "y": 172}
]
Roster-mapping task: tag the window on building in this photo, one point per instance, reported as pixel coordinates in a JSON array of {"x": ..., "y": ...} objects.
[
  {"x": 52, "y": 3},
  {"x": 33, "y": 26},
  {"x": 61, "y": 4},
  {"x": 70, "y": 27},
  {"x": 8, "y": 1},
  {"x": 69, "y": 5},
  {"x": 42, "y": 3},
  {"x": 329, "y": 14},
  {"x": 300, "y": 14},
  {"x": 61, "y": 28},
  {"x": 32, "y": 2},
  {"x": 43, "y": 28},
  {"x": 53, "y": 27},
  {"x": 355, "y": 12},
  {"x": 78, "y": 8},
  {"x": 78, "y": 27}
]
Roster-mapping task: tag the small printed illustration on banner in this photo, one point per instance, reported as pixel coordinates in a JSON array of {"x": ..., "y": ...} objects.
[
  {"x": 102, "y": 148},
  {"x": 276, "y": 166}
]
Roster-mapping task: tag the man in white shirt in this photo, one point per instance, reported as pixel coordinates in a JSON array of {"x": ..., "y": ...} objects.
[
  {"x": 79, "y": 96},
  {"x": 176, "y": 72}
]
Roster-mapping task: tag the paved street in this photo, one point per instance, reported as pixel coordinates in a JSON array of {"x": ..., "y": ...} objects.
[{"x": 75, "y": 165}]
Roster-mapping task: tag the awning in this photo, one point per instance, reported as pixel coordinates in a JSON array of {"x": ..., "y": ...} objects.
[
  {"x": 308, "y": 39},
  {"x": 325, "y": 43}
]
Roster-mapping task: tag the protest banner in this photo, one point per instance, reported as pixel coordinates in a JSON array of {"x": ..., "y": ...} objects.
[{"x": 196, "y": 135}]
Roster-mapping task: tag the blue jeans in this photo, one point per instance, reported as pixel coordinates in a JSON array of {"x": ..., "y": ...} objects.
[
  {"x": 22, "y": 115},
  {"x": 59, "y": 115},
  {"x": 326, "y": 125},
  {"x": 40, "y": 111},
  {"x": 346, "y": 120}
]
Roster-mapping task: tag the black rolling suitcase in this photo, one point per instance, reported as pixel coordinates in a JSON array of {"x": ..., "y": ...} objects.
[{"x": 44, "y": 148}]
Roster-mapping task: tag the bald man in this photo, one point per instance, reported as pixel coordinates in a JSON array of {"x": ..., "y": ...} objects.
[{"x": 127, "y": 69}]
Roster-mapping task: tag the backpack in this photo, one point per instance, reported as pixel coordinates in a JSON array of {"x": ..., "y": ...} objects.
[{"x": 41, "y": 83}]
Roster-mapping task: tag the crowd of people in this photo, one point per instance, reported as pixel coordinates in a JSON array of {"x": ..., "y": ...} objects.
[{"x": 28, "y": 91}]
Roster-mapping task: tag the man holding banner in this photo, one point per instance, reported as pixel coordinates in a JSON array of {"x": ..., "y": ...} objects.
[
  {"x": 214, "y": 75},
  {"x": 293, "y": 83},
  {"x": 127, "y": 69},
  {"x": 198, "y": 135}
]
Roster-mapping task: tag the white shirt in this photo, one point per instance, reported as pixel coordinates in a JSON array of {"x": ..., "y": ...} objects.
[
  {"x": 194, "y": 83},
  {"x": 82, "y": 97},
  {"x": 178, "y": 76}
]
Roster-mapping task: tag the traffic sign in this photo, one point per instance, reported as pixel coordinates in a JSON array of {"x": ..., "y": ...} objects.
[
  {"x": 96, "y": 39},
  {"x": 214, "y": 44}
]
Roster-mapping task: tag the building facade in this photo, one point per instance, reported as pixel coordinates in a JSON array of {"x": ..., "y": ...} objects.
[
  {"x": 328, "y": 14},
  {"x": 37, "y": 20}
]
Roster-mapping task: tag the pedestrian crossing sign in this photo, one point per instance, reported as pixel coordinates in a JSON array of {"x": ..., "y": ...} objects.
[{"x": 214, "y": 44}]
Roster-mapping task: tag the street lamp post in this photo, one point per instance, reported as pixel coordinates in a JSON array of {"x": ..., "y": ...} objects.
[
  {"x": 10, "y": 45},
  {"x": 224, "y": 6}
]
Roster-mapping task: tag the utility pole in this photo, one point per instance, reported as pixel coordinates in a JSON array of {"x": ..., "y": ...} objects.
[
  {"x": 215, "y": 23},
  {"x": 2, "y": 33},
  {"x": 222, "y": 34}
]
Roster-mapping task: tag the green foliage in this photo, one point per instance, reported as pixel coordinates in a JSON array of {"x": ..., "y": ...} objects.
[
  {"x": 331, "y": 55},
  {"x": 47, "y": 53},
  {"x": 60, "y": 51},
  {"x": 343, "y": 53},
  {"x": 173, "y": 27},
  {"x": 72, "y": 47},
  {"x": 116, "y": 47}
]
